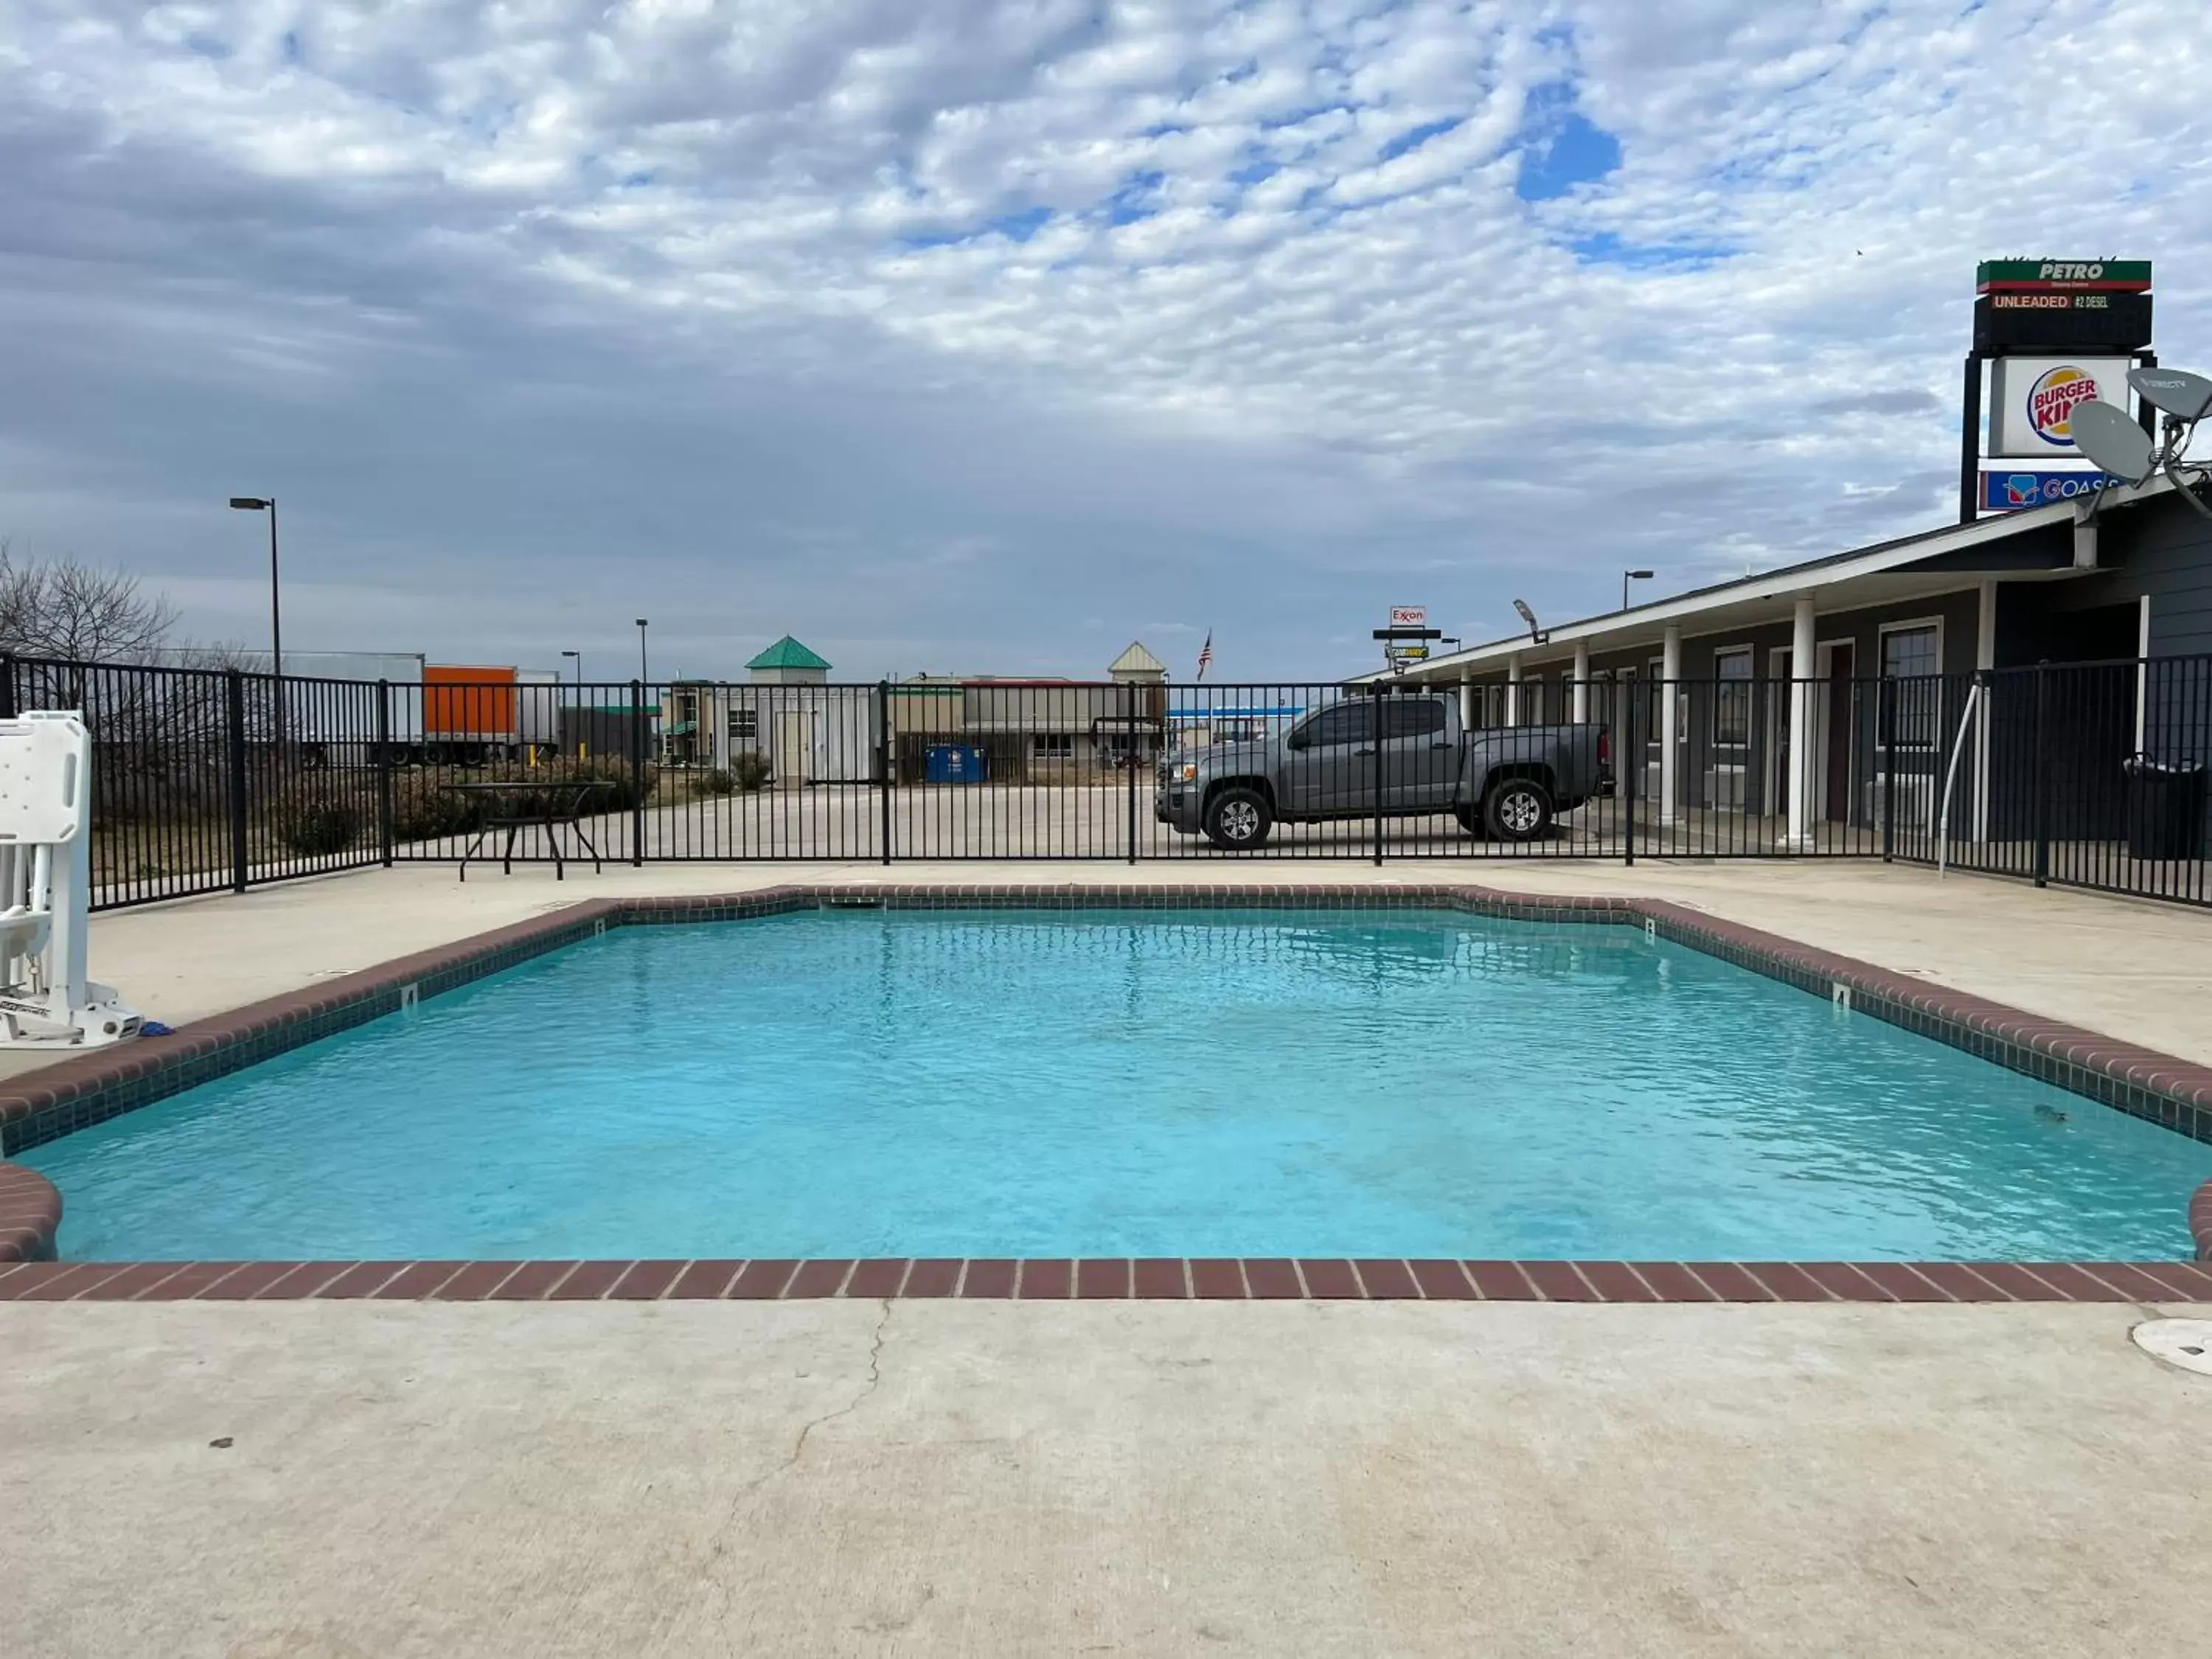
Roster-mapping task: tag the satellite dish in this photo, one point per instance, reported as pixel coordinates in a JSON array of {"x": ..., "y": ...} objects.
[
  {"x": 2175, "y": 391},
  {"x": 2108, "y": 437}
]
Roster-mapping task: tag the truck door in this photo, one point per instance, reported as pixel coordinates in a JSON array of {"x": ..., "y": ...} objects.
[
  {"x": 1420, "y": 756},
  {"x": 1328, "y": 762}
]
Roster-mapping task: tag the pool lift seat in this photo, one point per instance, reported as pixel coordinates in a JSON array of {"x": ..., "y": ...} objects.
[{"x": 46, "y": 891}]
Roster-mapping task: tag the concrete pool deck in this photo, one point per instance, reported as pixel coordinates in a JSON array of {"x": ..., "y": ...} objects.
[
  {"x": 858, "y": 1476},
  {"x": 947, "y": 1478}
]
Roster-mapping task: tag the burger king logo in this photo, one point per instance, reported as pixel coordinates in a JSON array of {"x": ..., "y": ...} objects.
[{"x": 2051, "y": 401}]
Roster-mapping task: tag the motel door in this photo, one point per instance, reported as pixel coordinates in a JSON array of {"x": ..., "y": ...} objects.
[{"x": 1834, "y": 714}]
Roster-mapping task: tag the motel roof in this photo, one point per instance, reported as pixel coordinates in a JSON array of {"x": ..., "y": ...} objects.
[{"x": 2041, "y": 544}]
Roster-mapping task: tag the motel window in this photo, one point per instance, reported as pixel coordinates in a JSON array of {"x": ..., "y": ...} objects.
[
  {"x": 1732, "y": 698},
  {"x": 744, "y": 725},
  {"x": 1910, "y": 654},
  {"x": 1052, "y": 746}
]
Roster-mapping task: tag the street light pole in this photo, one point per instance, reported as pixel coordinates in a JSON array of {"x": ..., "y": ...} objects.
[
  {"x": 641, "y": 674},
  {"x": 268, "y": 504},
  {"x": 578, "y": 656},
  {"x": 1628, "y": 576}
]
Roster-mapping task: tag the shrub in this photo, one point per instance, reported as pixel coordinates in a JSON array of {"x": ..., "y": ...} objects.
[
  {"x": 421, "y": 811},
  {"x": 716, "y": 782},
  {"x": 750, "y": 771},
  {"x": 317, "y": 828},
  {"x": 620, "y": 794}
]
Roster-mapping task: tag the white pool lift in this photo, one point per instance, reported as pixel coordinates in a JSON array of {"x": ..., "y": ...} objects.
[{"x": 46, "y": 889}]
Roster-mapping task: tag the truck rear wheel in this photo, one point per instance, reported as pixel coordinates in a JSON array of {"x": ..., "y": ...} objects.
[
  {"x": 1517, "y": 809},
  {"x": 1237, "y": 820}
]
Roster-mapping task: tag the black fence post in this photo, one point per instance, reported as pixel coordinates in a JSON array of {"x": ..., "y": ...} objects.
[
  {"x": 8, "y": 709},
  {"x": 1627, "y": 764},
  {"x": 1885, "y": 743},
  {"x": 1375, "y": 739},
  {"x": 1129, "y": 760},
  {"x": 641, "y": 735},
  {"x": 2042, "y": 775},
  {"x": 234, "y": 746},
  {"x": 384, "y": 814},
  {"x": 884, "y": 762}
]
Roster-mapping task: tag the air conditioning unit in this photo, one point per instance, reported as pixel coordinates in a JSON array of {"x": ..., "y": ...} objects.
[
  {"x": 1914, "y": 796},
  {"x": 1724, "y": 788}
]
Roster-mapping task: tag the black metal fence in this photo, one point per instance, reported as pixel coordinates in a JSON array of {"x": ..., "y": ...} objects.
[{"x": 208, "y": 780}]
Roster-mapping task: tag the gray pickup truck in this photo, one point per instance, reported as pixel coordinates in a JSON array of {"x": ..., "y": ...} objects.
[{"x": 1508, "y": 782}]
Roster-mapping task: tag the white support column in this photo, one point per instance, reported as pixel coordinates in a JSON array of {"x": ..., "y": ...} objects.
[
  {"x": 1802, "y": 665},
  {"x": 1985, "y": 657},
  {"x": 1582, "y": 682},
  {"x": 1670, "y": 717},
  {"x": 1513, "y": 690},
  {"x": 1466, "y": 705}
]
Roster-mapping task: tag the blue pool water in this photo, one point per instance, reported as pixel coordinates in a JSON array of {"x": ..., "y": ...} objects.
[{"x": 1101, "y": 1083}]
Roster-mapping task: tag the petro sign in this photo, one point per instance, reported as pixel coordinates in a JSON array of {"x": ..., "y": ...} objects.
[
  {"x": 2014, "y": 492},
  {"x": 2112, "y": 275},
  {"x": 2062, "y": 305}
]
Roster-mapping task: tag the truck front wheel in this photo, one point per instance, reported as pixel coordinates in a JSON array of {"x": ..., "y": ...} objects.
[
  {"x": 1237, "y": 820},
  {"x": 1517, "y": 809}
]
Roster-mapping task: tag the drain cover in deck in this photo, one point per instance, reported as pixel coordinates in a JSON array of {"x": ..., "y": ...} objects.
[{"x": 2184, "y": 1342}]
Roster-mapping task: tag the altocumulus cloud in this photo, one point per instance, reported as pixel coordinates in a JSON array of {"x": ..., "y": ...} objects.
[{"x": 952, "y": 334}]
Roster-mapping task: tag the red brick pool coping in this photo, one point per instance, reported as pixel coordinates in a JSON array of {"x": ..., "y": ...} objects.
[
  {"x": 1249, "y": 1278},
  {"x": 73, "y": 1094}
]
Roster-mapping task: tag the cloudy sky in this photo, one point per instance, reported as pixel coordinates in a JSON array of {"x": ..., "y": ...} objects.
[{"x": 949, "y": 334}]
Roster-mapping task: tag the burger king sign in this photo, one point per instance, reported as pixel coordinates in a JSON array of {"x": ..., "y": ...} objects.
[
  {"x": 2033, "y": 399},
  {"x": 2053, "y": 400}
]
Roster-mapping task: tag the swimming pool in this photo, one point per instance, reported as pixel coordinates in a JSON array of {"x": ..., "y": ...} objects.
[{"x": 1103, "y": 1083}]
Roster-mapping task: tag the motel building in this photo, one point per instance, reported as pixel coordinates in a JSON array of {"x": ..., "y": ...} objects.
[{"x": 1862, "y": 665}]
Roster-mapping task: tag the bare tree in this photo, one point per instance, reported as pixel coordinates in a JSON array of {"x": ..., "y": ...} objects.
[{"x": 69, "y": 610}]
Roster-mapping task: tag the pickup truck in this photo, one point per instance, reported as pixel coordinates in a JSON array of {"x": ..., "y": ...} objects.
[{"x": 1507, "y": 782}]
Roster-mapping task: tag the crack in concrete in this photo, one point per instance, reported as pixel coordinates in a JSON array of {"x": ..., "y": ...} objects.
[
  {"x": 875, "y": 1377},
  {"x": 806, "y": 1429},
  {"x": 719, "y": 1545}
]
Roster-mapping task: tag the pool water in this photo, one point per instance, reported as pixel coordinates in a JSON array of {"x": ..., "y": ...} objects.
[{"x": 1127, "y": 1083}]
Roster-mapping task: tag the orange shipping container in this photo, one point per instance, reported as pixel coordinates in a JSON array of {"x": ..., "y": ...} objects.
[{"x": 468, "y": 702}]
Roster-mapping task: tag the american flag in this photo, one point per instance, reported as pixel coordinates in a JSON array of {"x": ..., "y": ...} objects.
[{"x": 1205, "y": 654}]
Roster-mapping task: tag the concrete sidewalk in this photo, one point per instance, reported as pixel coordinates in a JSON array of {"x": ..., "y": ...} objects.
[{"x": 945, "y": 1478}]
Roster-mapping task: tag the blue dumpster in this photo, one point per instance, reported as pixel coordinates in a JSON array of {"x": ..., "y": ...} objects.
[{"x": 954, "y": 762}]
